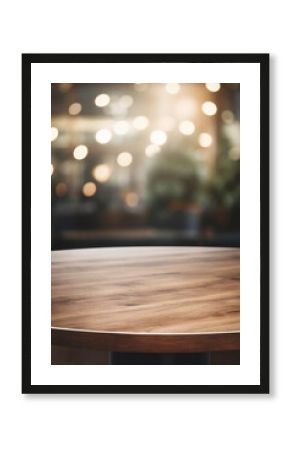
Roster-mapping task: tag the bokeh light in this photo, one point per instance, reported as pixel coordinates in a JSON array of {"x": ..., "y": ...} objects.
[
  {"x": 186, "y": 127},
  {"x": 152, "y": 150},
  {"x": 205, "y": 140},
  {"x": 121, "y": 127},
  {"x": 74, "y": 109},
  {"x": 158, "y": 137},
  {"x": 102, "y": 100},
  {"x": 80, "y": 152},
  {"x": 103, "y": 136},
  {"x": 124, "y": 159},
  {"x": 54, "y": 133},
  {"x": 51, "y": 169},
  {"x": 102, "y": 173},
  {"x": 126, "y": 101},
  {"x": 89, "y": 189},
  {"x": 131, "y": 199},
  {"x": 213, "y": 87},
  {"x": 209, "y": 108}
]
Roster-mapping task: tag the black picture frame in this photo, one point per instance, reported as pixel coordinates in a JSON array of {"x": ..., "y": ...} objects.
[{"x": 263, "y": 61}]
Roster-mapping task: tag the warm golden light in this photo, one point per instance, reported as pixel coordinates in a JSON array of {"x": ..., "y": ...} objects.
[
  {"x": 102, "y": 100},
  {"x": 124, "y": 159},
  {"x": 158, "y": 137},
  {"x": 228, "y": 117},
  {"x": 213, "y": 87},
  {"x": 54, "y": 133},
  {"x": 140, "y": 123},
  {"x": 80, "y": 152},
  {"x": 102, "y": 173},
  {"x": 74, "y": 109},
  {"x": 103, "y": 136},
  {"x": 152, "y": 150},
  {"x": 131, "y": 199},
  {"x": 166, "y": 123},
  {"x": 186, "y": 127},
  {"x": 172, "y": 88},
  {"x": 126, "y": 101},
  {"x": 61, "y": 189},
  {"x": 209, "y": 108},
  {"x": 121, "y": 128},
  {"x": 89, "y": 189},
  {"x": 205, "y": 140},
  {"x": 185, "y": 108}
]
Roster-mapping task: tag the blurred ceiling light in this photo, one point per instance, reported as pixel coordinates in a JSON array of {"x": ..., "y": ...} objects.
[
  {"x": 228, "y": 117},
  {"x": 102, "y": 173},
  {"x": 89, "y": 189},
  {"x": 126, "y": 101},
  {"x": 102, "y": 100},
  {"x": 61, "y": 189},
  {"x": 52, "y": 169},
  {"x": 186, "y": 127},
  {"x": 185, "y": 108},
  {"x": 121, "y": 128},
  {"x": 80, "y": 152},
  {"x": 54, "y": 133},
  {"x": 124, "y": 159},
  {"x": 158, "y": 137},
  {"x": 74, "y": 109},
  {"x": 131, "y": 199},
  {"x": 140, "y": 123},
  {"x": 209, "y": 108},
  {"x": 103, "y": 136},
  {"x": 172, "y": 88},
  {"x": 213, "y": 87},
  {"x": 205, "y": 140},
  {"x": 151, "y": 150},
  {"x": 234, "y": 153}
]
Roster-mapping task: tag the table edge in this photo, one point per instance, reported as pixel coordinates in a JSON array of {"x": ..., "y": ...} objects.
[{"x": 114, "y": 341}]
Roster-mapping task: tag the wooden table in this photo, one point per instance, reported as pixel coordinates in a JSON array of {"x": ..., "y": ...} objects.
[{"x": 147, "y": 299}]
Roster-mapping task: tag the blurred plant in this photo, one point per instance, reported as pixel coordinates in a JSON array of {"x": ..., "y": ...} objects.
[
  {"x": 173, "y": 184},
  {"x": 223, "y": 191}
]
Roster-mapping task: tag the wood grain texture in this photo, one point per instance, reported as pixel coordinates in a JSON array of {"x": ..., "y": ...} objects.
[{"x": 147, "y": 299}]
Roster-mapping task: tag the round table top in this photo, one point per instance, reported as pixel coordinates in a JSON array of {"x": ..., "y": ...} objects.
[{"x": 151, "y": 299}]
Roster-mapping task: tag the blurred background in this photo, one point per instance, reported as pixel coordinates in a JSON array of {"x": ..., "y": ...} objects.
[{"x": 145, "y": 164}]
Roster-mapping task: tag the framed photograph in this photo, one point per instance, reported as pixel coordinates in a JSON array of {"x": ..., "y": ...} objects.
[{"x": 145, "y": 223}]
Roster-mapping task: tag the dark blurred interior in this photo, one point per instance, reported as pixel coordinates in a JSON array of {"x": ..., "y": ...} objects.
[{"x": 145, "y": 164}]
